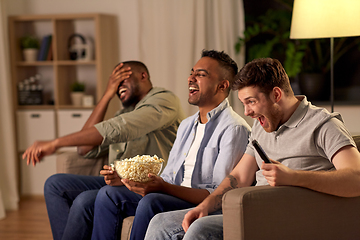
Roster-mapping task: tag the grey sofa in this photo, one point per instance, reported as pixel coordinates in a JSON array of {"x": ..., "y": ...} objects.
[{"x": 289, "y": 213}]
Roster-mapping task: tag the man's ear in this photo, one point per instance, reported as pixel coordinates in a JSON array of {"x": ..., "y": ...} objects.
[
  {"x": 224, "y": 85},
  {"x": 144, "y": 76},
  {"x": 277, "y": 93}
]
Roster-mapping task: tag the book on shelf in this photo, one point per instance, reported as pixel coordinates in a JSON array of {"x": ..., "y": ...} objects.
[
  {"x": 50, "y": 52},
  {"x": 44, "y": 48}
]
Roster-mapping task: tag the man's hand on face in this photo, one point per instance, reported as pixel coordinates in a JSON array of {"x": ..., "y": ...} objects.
[
  {"x": 118, "y": 75},
  {"x": 154, "y": 185},
  {"x": 278, "y": 174},
  {"x": 111, "y": 178}
]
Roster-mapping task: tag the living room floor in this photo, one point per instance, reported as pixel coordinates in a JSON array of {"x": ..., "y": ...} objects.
[{"x": 30, "y": 222}]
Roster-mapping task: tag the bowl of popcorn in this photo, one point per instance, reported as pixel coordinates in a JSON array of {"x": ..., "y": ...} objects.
[{"x": 138, "y": 168}]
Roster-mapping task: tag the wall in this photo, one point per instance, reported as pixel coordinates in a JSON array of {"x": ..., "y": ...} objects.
[{"x": 350, "y": 115}]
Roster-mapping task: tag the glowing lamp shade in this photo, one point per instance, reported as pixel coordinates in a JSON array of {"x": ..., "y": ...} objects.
[{"x": 325, "y": 19}]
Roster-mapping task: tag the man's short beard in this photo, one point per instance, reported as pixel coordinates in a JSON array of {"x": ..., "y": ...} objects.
[
  {"x": 133, "y": 100},
  {"x": 195, "y": 103}
]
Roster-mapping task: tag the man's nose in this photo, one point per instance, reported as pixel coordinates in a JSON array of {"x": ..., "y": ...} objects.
[
  {"x": 192, "y": 78},
  {"x": 247, "y": 111}
]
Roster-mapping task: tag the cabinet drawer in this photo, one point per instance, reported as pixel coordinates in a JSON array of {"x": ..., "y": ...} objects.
[
  {"x": 34, "y": 125},
  {"x": 70, "y": 121}
]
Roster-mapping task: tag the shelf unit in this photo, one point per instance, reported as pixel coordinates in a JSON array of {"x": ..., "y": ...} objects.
[{"x": 57, "y": 75}]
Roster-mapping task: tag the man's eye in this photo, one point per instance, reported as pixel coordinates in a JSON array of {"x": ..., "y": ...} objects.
[{"x": 200, "y": 75}]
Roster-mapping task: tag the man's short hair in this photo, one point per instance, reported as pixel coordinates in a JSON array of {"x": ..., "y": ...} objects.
[
  {"x": 137, "y": 66},
  {"x": 265, "y": 73},
  {"x": 226, "y": 63}
]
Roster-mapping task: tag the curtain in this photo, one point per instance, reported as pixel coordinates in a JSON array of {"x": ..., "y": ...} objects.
[
  {"x": 9, "y": 197},
  {"x": 173, "y": 34}
]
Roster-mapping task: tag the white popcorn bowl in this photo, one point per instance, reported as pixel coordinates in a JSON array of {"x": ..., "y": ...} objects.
[{"x": 137, "y": 171}]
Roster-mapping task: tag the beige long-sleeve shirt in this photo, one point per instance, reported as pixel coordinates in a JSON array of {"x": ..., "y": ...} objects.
[{"x": 150, "y": 128}]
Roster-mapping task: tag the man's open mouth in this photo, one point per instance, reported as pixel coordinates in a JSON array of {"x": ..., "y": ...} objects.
[
  {"x": 261, "y": 120},
  {"x": 193, "y": 89},
  {"x": 122, "y": 91}
]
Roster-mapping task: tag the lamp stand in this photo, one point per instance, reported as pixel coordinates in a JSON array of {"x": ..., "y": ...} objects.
[{"x": 332, "y": 73}]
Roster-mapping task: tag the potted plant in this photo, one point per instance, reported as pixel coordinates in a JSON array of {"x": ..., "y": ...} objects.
[
  {"x": 268, "y": 35},
  {"x": 77, "y": 93},
  {"x": 316, "y": 63},
  {"x": 30, "y": 46}
]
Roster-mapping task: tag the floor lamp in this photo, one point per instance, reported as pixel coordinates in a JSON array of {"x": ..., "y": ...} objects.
[{"x": 326, "y": 19}]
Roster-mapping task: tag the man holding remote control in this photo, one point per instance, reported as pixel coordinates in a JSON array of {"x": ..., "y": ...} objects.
[{"x": 307, "y": 142}]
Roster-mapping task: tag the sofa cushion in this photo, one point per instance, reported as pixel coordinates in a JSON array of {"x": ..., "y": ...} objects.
[
  {"x": 126, "y": 228},
  {"x": 73, "y": 163}
]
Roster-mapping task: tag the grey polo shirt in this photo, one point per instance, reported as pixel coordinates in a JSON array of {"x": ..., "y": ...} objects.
[
  {"x": 150, "y": 128},
  {"x": 307, "y": 141}
]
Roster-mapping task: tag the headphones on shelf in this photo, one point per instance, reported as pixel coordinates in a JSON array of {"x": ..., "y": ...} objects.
[{"x": 77, "y": 51}]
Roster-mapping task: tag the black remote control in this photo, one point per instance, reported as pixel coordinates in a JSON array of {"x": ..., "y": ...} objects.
[{"x": 261, "y": 151}]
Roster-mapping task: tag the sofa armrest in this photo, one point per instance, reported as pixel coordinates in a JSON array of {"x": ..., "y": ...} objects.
[
  {"x": 73, "y": 163},
  {"x": 266, "y": 212}
]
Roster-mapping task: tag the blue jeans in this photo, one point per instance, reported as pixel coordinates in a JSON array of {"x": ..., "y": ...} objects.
[
  {"x": 167, "y": 226},
  {"x": 113, "y": 204},
  {"x": 70, "y": 204}
]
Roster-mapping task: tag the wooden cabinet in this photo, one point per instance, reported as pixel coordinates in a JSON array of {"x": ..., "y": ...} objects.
[{"x": 54, "y": 117}]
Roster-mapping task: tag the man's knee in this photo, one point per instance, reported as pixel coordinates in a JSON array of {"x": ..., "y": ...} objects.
[
  {"x": 160, "y": 219},
  {"x": 84, "y": 201},
  {"x": 209, "y": 227},
  {"x": 165, "y": 225},
  {"x": 151, "y": 200},
  {"x": 52, "y": 183},
  {"x": 113, "y": 194}
]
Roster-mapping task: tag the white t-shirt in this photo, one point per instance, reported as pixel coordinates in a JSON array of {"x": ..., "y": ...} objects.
[{"x": 191, "y": 156}]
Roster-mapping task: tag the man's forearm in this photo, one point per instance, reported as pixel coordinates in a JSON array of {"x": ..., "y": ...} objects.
[
  {"x": 231, "y": 183},
  {"x": 214, "y": 201},
  {"x": 98, "y": 113},
  {"x": 193, "y": 195},
  {"x": 342, "y": 182},
  {"x": 96, "y": 116},
  {"x": 89, "y": 137}
]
